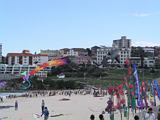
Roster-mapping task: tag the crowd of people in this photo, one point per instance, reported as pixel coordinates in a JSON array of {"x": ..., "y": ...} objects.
[
  {"x": 149, "y": 114},
  {"x": 43, "y": 93}
]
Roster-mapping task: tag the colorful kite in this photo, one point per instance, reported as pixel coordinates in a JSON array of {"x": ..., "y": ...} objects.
[
  {"x": 57, "y": 62},
  {"x": 114, "y": 53},
  {"x": 2, "y": 84}
]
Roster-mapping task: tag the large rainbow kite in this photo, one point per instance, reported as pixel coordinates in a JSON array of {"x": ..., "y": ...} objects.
[{"x": 55, "y": 62}]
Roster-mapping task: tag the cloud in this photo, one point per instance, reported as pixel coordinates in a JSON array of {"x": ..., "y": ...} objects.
[
  {"x": 142, "y": 14},
  {"x": 145, "y": 43}
]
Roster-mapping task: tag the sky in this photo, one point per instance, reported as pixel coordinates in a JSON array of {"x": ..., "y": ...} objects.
[{"x": 56, "y": 24}]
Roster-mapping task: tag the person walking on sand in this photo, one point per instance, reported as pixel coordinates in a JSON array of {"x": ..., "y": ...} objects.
[
  {"x": 45, "y": 113},
  {"x": 92, "y": 117},
  {"x": 101, "y": 117},
  {"x": 42, "y": 106},
  {"x": 16, "y": 105},
  {"x": 136, "y": 117},
  {"x": 158, "y": 116},
  {"x": 150, "y": 115}
]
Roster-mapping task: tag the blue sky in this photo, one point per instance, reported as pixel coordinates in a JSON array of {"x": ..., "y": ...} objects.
[{"x": 55, "y": 24}]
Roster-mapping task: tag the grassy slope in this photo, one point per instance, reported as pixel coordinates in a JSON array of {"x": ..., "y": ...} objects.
[{"x": 114, "y": 77}]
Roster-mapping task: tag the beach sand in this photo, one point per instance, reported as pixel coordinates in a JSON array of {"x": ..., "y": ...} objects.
[{"x": 79, "y": 107}]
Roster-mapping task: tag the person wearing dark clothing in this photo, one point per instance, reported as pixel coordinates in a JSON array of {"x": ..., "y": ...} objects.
[
  {"x": 92, "y": 117},
  {"x": 45, "y": 113},
  {"x": 16, "y": 105},
  {"x": 158, "y": 117},
  {"x": 136, "y": 117},
  {"x": 42, "y": 106},
  {"x": 101, "y": 117}
]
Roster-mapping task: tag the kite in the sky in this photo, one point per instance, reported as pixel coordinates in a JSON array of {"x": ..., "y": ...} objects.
[
  {"x": 114, "y": 53},
  {"x": 2, "y": 84},
  {"x": 57, "y": 62}
]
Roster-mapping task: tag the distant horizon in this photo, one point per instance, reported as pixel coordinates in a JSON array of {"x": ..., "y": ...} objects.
[{"x": 56, "y": 24}]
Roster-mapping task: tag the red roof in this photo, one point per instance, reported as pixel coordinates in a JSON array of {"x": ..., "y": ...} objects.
[
  {"x": 19, "y": 54},
  {"x": 25, "y": 54}
]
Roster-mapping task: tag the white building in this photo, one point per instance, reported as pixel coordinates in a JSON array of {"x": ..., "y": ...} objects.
[
  {"x": 40, "y": 58},
  {"x": 17, "y": 69},
  {"x": 101, "y": 53},
  {"x": 72, "y": 52},
  {"x": 51, "y": 53},
  {"x": 125, "y": 53},
  {"x": 148, "y": 62},
  {"x": 148, "y": 49},
  {"x": 26, "y": 58}
]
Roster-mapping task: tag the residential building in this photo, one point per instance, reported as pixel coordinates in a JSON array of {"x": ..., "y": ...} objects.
[
  {"x": 148, "y": 62},
  {"x": 73, "y": 52},
  {"x": 80, "y": 59},
  {"x": 16, "y": 70},
  {"x": 52, "y": 54},
  {"x": 125, "y": 53},
  {"x": 64, "y": 51},
  {"x": 148, "y": 50},
  {"x": 94, "y": 53},
  {"x": 102, "y": 53},
  {"x": 39, "y": 59},
  {"x": 26, "y": 58},
  {"x": 122, "y": 43},
  {"x": 0, "y": 52}
]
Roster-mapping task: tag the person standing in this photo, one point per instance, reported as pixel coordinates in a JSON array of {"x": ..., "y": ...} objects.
[
  {"x": 101, "y": 117},
  {"x": 92, "y": 117},
  {"x": 42, "y": 106},
  {"x": 45, "y": 113},
  {"x": 136, "y": 117},
  {"x": 16, "y": 105},
  {"x": 150, "y": 115},
  {"x": 158, "y": 116}
]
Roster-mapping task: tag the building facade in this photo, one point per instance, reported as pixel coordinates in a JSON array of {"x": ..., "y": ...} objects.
[
  {"x": 102, "y": 53},
  {"x": 17, "y": 69},
  {"x": 80, "y": 59},
  {"x": 26, "y": 58},
  {"x": 122, "y": 43},
  {"x": 148, "y": 62},
  {"x": 125, "y": 53},
  {"x": 149, "y": 50},
  {"x": 73, "y": 52},
  {"x": 52, "y": 54}
]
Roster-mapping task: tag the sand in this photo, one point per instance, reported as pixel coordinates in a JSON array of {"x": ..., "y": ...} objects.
[{"x": 79, "y": 107}]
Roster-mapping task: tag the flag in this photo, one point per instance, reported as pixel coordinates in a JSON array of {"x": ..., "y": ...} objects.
[{"x": 139, "y": 101}]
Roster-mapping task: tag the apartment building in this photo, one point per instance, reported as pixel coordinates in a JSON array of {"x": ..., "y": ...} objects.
[
  {"x": 122, "y": 43},
  {"x": 102, "y": 53},
  {"x": 148, "y": 62},
  {"x": 52, "y": 54},
  {"x": 73, "y": 52},
  {"x": 125, "y": 53},
  {"x": 26, "y": 58}
]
